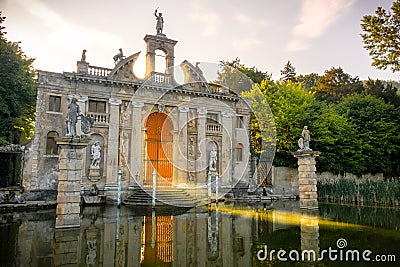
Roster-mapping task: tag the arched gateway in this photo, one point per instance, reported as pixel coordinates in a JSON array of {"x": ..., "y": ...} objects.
[{"x": 159, "y": 143}]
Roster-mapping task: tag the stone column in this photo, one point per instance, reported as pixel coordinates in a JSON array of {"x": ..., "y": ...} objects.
[
  {"x": 137, "y": 151},
  {"x": 70, "y": 166},
  {"x": 182, "y": 135},
  {"x": 307, "y": 179},
  {"x": 111, "y": 186},
  {"x": 202, "y": 146},
  {"x": 226, "y": 150}
]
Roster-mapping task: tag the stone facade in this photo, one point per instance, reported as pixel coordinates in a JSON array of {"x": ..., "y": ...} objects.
[{"x": 200, "y": 115}]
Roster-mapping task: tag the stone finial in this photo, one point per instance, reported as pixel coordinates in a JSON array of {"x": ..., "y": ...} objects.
[{"x": 83, "y": 58}]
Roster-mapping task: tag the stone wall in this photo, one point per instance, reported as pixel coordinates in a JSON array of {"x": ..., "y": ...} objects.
[{"x": 285, "y": 180}]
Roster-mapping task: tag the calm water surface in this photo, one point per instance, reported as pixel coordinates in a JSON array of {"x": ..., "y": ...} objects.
[{"x": 224, "y": 235}]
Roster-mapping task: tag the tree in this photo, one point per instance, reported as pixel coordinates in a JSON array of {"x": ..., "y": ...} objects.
[
  {"x": 381, "y": 37},
  {"x": 253, "y": 73},
  {"x": 288, "y": 73},
  {"x": 292, "y": 107},
  {"x": 336, "y": 84},
  {"x": 17, "y": 91},
  {"x": 384, "y": 90},
  {"x": 309, "y": 81},
  {"x": 378, "y": 131}
]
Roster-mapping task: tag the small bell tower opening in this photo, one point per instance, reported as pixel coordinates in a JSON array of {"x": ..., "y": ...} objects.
[{"x": 160, "y": 62}]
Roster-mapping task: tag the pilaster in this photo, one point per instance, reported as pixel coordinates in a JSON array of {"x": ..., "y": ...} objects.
[
  {"x": 111, "y": 185},
  {"x": 201, "y": 139},
  {"x": 136, "y": 177},
  {"x": 226, "y": 149},
  {"x": 183, "y": 139}
]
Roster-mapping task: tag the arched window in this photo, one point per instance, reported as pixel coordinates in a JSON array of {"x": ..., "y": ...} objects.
[
  {"x": 239, "y": 152},
  {"x": 51, "y": 145}
]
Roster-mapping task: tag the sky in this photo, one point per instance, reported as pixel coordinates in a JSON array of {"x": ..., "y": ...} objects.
[{"x": 315, "y": 35}]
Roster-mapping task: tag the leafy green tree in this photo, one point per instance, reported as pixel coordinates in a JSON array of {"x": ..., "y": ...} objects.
[
  {"x": 253, "y": 73},
  {"x": 292, "y": 107},
  {"x": 378, "y": 130},
  {"x": 381, "y": 37},
  {"x": 288, "y": 73},
  {"x": 309, "y": 81},
  {"x": 17, "y": 91},
  {"x": 336, "y": 138},
  {"x": 384, "y": 90},
  {"x": 336, "y": 84}
]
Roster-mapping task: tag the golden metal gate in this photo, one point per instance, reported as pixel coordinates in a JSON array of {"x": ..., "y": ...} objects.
[{"x": 159, "y": 143}]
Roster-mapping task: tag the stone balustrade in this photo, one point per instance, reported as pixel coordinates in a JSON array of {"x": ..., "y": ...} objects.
[
  {"x": 161, "y": 78},
  {"x": 213, "y": 128},
  {"x": 99, "y": 118},
  {"x": 99, "y": 71}
]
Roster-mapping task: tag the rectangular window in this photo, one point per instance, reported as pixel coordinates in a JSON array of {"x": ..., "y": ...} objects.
[
  {"x": 51, "y": 144},
  {"x": 212, "y": 117},
  {"x": 55, "y": 103},
  {"x": 97, "y": 106},
  {"x": 239, "y": 152},
  {"x": 239, "y": 122}
]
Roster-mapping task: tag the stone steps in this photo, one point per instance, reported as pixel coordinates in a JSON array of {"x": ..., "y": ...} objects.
[{"x": 165, "y": 196}]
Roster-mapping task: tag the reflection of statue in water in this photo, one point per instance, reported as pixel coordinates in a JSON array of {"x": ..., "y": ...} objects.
[
  {"x": 119, "y": 56},
  {"x": 96, "y": 155},
  {"x": 160, "y": 22},
  {"x": 304, "y": 141},
  {"x": 72, "y": 118},
  {"x": 213, "y": 159}
]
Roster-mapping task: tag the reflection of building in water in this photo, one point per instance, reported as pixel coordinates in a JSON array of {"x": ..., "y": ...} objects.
[
  {"x": 191, "y": 239},
  {"x": 158, "y": 240}
]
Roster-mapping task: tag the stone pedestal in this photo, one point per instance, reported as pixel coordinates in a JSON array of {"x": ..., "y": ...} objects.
[
  {"x": 94, "y": 174},
  {"x": 307, "y": 179},
  {"x": 69, "y": 181}
]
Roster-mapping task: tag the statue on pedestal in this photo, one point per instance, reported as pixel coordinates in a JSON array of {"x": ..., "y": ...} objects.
[
  {"x": 95, "y": 155},
  {"x": 72, "y": 118},
  {"x": 213, "y": 159},
  {"x": 304, "y": 141},
  {"x": 160, "y": 22}
]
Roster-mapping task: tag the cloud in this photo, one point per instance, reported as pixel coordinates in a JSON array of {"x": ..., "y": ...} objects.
[
  {"x": 65, "y": 34},
  {"x": 316, "y": 16},
  {"x": 210, "y": 20}
]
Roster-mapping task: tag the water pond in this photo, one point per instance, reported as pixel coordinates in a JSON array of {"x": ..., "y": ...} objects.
[{"x": 228, "y": 234}]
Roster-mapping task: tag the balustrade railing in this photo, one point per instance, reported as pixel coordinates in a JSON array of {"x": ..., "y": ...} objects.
[
  {"x": 99, "y": 71},
  {"x": 161, "y": 78},
  {"x": 99, "y": 118},
  {"x": 213, "y": 128}
]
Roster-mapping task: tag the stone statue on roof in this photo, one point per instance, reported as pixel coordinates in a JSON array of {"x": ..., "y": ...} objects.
[{"x": 160, "y": 22}]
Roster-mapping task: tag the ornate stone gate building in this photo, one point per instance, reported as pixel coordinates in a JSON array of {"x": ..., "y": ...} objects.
[{"x": 143, "y": 125}]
